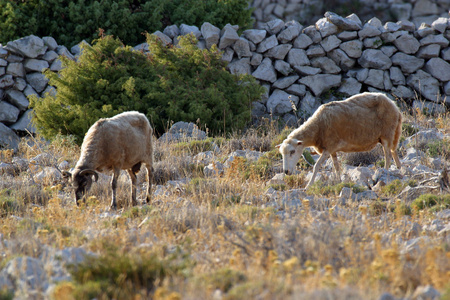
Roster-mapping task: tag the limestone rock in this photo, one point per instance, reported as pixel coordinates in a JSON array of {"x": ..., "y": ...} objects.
[
  {"x": 265, "y": 71},
  {"x": 372, "y": 58},
  {"x": 29, "y": 46},
  {"x": 439, "y": 68},
  {"x": 424, "y": 84},
  {"x": 408, "y": 63},
  {"x": 8, "y": 139},
  {"x": 281, "y": 102},
  {"x": 321, "y": 82},
  {"x": 407, "y": 44},
  {"x": 210, "y": 33}
]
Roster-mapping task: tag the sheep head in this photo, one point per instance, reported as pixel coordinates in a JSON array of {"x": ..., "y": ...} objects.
[
  {"x": 291, "y": 150},
  {"x": 81, "y": 181}
]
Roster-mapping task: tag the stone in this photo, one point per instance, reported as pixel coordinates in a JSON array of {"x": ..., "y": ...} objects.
[
  {"x": 350, "y": 86},
  {"x": 56, "y": 65},
  {"x": 309, "y": 105},
  {"x": 407, "y": 44},
  {"x": 62, "y": 50},
  {"x": 242, "y": 48},
  {"x": 315, "y": 51},
  {"x": 375, "y": 78},
  {"x": 6, "y": 81},
  {"x": 279, "y": 51},
  {"x": 408, "y": 63},
  {"x": 50, "y": 42},
  {"x": 37, "y": 80},
  {"x": 20, "y": 84},
  {"x": 35, "y": 65},
  {"x": 283, "y": 67},
  {"x": 188, "y": 29},
  {"x": 8, "y": 139},
  {"x": 302, "y": 41},
  {"x": 8, "y": 112},
  {"x": 274, "y": 26},
  {"x": 388, "y": 50},
  {"x": 397, "y": 76},
  {"x": 375, "y": 22},
  {"x": 434, "y": 39},
  {"x": 445, "y": 54},
  {"x": 165, "y": 39},
  {"x": 284, "y": 82},
  {"x": 368, "y": 31},
  {"x": 362, "y": 74},
  {"x": 321, "y": 82},
  {"x": 297, "y": 57},
  {"x": 447, "y": 88},
  {"x": 50, "y": 56},
  {"x": 172, "y": 31},
  {"x": 347, "y": 35},
  {"x": 293, "y": 29},
  {"x": 265, "y": 71},
  {"x": 211, "y": 34},
  {"x": 406, "y": 25},
  {"x": 424, "y": 30},
  {"x": 213, "y": 169},
  {"x": 374, "y": 42},
  {"x": 281, "y": 102},
  {"x": 255, "y": 35},
  {"x": 401, "y": 11},
  {"x": 296, "y": 89},
  {"x": 326, "y": 64},
  {"x": 229, "y": 36},
  {"x": 372, "y": 58},
  {"x": 240, "y": 66},
  {"x": 439, "y": 68},
  {"x": 18, "y": 99},
  {"x": 24, "y": 123},
  {"x": 352, "y": 48},
  {"x": 307, "y": 70},
  {"x": 325, "y": 27},
  {"x": 440, "y": 24},
  {"x": 28, "y": 91},
  {"x": 391, "y": 27},
  {"x": 387, "y": 81},
  {"x": 30, "y": 46},
  {"x": 267, "y": 44},
  {"x": 16, "y": 69},
  {"x": 426, "y": 292},
  {"x": 313, "y": 33},
  {"x": 256, "y": 59},
  {"x": 424, "y": 7},
  {"x": 341, "y": 59},
  {"x": 258, "y": 109},
  {"x": 330, "y": 42},
  {"x": 343, "y": 23},
  {"x": 429, "y": 51},
  {"x": 429, "y": 107},
  {"x": 424, "y": 84},
  {"x": 181, "y": 131}
]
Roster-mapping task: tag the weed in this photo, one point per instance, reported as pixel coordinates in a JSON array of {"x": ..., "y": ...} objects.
[{"x": 224, "y": 279}]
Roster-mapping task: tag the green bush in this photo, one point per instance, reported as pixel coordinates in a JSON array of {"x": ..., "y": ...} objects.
[
  {"x": 434, "y": 202},
  {"x": 172, "y": 84},
  {"x": 70, "y": 22}
]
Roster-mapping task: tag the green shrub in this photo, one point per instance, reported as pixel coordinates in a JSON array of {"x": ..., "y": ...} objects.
[
  {"x": 120, "y": 274},
  {"x": 434, "y": 202},
  {"x": 70, "y": 22},
  {"x": 439, "y": 148},
  {"x": 172, "y": 84},
  {"x": 224, "y": 279}
]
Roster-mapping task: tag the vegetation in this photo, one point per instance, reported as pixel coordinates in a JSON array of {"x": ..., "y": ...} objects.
[
  {"x": 170, "y": 84},
  {"x": 74, "y": 21}
]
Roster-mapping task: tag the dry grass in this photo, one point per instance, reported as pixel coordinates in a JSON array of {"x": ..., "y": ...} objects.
[{"x": 218, "y": 236}]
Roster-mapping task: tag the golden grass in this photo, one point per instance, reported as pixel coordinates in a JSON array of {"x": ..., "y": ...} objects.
[{"x": 222, "y": 233}]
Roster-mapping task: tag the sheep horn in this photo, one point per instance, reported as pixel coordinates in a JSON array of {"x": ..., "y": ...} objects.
[{"x": 90, "y": 172}]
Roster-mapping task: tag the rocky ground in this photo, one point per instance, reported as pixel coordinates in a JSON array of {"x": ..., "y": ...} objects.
[{"x": 239, "y": 229}]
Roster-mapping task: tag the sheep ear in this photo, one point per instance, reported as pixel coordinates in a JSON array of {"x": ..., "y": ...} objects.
[
  {"x": 299, "y": 143},
  {"x": 66, "y": 175},
  {"x": 278, "y": 146},
  {"x": 89, "y": 173}
]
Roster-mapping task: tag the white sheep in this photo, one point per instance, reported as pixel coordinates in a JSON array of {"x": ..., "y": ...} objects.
[
  {"x": 356, "y": 124},
  {"x": 122, "y": 142}
]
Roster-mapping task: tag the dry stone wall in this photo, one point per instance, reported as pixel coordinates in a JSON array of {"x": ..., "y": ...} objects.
[
  {"x": 309, "y": 11},
  {"x": 300, "y": 67}
]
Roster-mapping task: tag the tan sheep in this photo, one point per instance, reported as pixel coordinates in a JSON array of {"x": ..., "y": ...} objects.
[
  {"x": 122, "y": 142},
  {"x": 352, "y": 125}
]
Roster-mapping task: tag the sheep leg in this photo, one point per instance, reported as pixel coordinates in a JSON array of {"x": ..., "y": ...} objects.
[
  {"x": 323, "y": 157},
  {"x": 133, "y": 186},
  {"x": 337, "y": 169},
  {"x": 387, "y": 154},
  {"x": 149, "y": 180},
  {"x": 114, "y": 188},
  {"x": 396, "y": 159}
]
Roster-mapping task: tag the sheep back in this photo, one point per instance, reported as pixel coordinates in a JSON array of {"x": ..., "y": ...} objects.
[
  {"x": 355, "y": 124},
  {"x": 118, "y": 142}
]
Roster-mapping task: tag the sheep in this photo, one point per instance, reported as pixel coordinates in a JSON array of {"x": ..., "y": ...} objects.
[
  {"x": 356, "y": 124},
  {"x": 122, "y": 142}
]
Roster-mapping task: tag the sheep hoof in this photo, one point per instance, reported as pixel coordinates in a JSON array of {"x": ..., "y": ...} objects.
[{"x": 113, "y": 208}]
